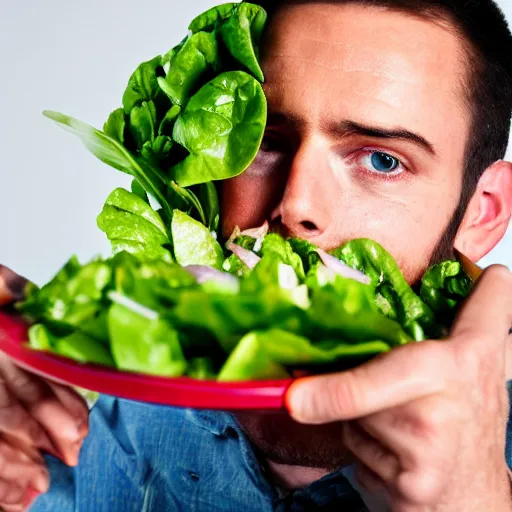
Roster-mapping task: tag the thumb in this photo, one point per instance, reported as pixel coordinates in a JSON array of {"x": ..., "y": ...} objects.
[
  {"x": 12, "y": 286},
  {"x": 487, "y": 314}
]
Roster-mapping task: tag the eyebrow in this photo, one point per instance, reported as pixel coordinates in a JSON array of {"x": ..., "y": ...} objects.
[
  {"x": 345, "y": 128},
  {"x": 352, "y": 128}
]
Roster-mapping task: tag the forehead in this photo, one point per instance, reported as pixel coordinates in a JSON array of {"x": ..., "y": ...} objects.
[{"x": 324, "y": 60}]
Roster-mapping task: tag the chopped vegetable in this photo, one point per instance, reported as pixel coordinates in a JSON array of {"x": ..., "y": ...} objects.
[{"x": 171, "y": 301}]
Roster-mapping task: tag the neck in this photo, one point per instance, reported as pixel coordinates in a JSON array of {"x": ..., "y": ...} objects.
[{"x": 293, "y": 477}]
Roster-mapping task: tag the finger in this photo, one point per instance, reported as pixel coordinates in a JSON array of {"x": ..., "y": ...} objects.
[
  {"x": 73, "y": 402},
  {"x": 417, "y": 431},
  {"x": 419, "y": 435},
  {"x": 12, "y": 508},
  {"x": 60, "y": 412},
  {"x": 400, "y": 376},
  {"x": 23, "y": 385},
  {"x": 25, "y": 452},
  {"x": 370, "y": 452},
  {"x": 15, "y": 421},
  {"x": 10, "y": 494},
  {"x": 23, "y": 474},
  {"x": 487, "y": 314},
  {"x": 369, "y": 480},
  {"x": 64, "y": 430},
  {"x": 12, "y": 286}
]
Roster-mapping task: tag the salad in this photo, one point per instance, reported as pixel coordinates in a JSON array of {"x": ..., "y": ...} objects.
[{"x": 173, "y": 299}]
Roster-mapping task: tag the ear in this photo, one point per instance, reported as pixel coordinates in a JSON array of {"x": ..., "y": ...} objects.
[{"x": 488, "y": 213}]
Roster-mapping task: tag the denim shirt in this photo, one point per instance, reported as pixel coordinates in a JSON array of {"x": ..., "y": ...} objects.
[{"x": 149, "y": 458}]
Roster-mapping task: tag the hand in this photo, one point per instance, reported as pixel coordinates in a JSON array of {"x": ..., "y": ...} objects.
[
  {"x": 35, "y": 415},
  {"x": 427, "y": 421}
]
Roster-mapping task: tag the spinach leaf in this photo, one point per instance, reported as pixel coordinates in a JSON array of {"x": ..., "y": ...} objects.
[
  {"x": 115, "y": 125},
  {"x": 242, "y": 32},
  {"x": 191, "y": 199},
  {"x": 208, "y": 20},
  {"x": 193, "y": 243},
  {"x": 143, "y": 86},
  {"x": 111, "y": 152},
  {"x": 138, "y": 190},
  {"x": 143, "y": 123},
  {"x": 167, "y": 124},
  {"x": 158, "y": 150},
  {"x": 240, "y": 26},
  {"x": 132, "y": 225},
  {"x": 222, "y": 127},
  {"x": 197, "y": 58},
  {"x": 207, "y": 196}
]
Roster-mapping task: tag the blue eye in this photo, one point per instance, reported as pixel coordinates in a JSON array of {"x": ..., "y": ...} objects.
[{"x": 382, "y": 162}]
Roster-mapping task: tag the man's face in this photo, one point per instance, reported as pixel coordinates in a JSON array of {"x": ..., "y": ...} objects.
[
  {"x": 365, "y": 138},
  {"x": 366, "y": 131}
]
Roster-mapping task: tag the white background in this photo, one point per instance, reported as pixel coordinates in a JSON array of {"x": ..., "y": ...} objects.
[{"x": 76, "y": 58}]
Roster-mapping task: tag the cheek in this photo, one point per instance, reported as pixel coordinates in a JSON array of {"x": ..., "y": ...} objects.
[
  {"x": 409, "y": 227},
  {"x": 247, "y": 201}
]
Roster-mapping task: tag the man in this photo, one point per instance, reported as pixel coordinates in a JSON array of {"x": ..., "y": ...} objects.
[{"x": 388, "y": 120}]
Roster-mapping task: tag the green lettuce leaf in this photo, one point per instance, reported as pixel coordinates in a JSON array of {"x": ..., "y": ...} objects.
[
  {"x": 395, "y": 297},
  {"x": 132, "y": 225},
  {"x": 269, "y": 354},
  {"x": 153, "y": 345},
  {"x": 194, "y": 243},
  {"x": 444, "y": 286}
]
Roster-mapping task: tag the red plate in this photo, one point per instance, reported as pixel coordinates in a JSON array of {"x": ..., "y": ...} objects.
[{"x": 179, "y": 392}]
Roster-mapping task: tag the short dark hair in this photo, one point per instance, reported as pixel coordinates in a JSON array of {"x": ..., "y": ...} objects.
[{"x": 488, "y": 85}]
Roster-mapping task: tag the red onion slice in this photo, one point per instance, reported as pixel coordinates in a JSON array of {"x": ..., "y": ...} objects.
[
  {"x": 204, "y": 273},
  {"x": 341, "y": 268},
  {"x": 258, "y": 232},
  {"x": 248, "y": 257}
]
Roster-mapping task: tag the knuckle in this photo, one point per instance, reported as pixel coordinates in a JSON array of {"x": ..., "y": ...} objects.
[
  {"x": 25, "y": 385},
  {"x": 34, "y": 431},
  {"x": 421, "y": 487},
  {"x": 414, "y": 425},
  {"x": 344, "y": 395},
  {"x": 498, "y": 272},
  {"x": 11, "y": 494}
]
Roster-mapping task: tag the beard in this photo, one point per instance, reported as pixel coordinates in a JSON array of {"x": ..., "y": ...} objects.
[{"x": 276, "y": 437}]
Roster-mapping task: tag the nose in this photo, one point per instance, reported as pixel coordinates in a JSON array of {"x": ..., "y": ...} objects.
[{"x": 305, "y": 208}]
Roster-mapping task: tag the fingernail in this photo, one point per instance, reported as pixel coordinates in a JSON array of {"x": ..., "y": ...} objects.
[
  {"x": 75, "y": 453},
  {"x": 14, "y": 283},
  {"x": 70, "y": 432}
]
